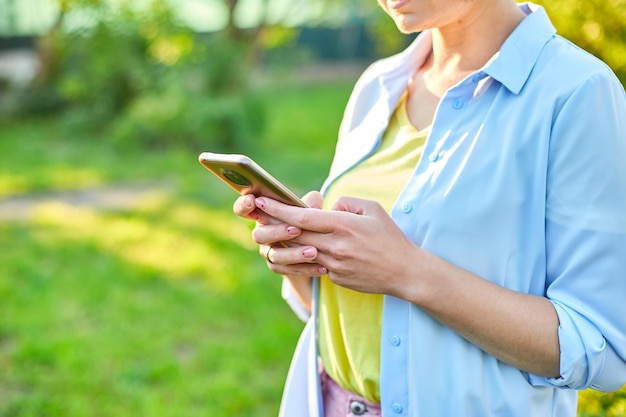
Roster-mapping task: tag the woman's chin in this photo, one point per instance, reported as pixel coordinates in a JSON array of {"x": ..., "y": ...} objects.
[{"x": 406, "y": 25}]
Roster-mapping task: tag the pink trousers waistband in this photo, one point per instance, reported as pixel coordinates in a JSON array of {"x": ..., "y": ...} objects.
[{"x": 339, "y": 402}]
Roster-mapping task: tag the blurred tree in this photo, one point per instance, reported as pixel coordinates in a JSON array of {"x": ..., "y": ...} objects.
[
  {"x": 143, "y": 77},
  {"x": 278, "y": 22},
  {"x": 256, "y": 25},
  {"x": 7, "y": 16}
]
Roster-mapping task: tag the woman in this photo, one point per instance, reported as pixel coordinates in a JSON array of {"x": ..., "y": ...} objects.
[{"x": 471, "y": 243}]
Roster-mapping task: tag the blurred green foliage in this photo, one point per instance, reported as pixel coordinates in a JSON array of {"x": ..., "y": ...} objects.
[
  {"x": 600, "y": 404},
  {"x": 144, "y": 77}
]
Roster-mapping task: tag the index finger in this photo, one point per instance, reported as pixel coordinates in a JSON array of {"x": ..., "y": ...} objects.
[{"x": 311, "y": 219}]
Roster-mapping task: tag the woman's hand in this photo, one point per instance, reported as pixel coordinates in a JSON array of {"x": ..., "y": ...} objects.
[
  {"x": 297, "y": 263},
  {"x": 276, "y": 238},
  {"x": 357, "y": 242}
]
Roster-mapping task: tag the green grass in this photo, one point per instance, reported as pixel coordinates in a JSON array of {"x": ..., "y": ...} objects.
[
  {"x": 91, "y": 327},
  {"x": 162, "y": 310}
]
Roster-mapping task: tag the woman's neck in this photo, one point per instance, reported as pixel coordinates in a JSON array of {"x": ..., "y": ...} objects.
[{"x": 466, "y": 46}]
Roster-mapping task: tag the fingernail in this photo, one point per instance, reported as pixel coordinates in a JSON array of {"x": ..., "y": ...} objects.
[
  {"x": 260, "y": 203},
  {"x": 322, "y": 271},
  {"x": 293, "y": 230},
  {"x": 308, "y": 253},
  {"x": 249, "y": 201}
]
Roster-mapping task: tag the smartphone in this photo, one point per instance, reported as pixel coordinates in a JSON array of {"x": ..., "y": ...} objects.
[{"x": 245, "y": 176}]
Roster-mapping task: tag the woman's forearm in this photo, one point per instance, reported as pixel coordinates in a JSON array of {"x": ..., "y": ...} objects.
[
  {"x": 517, "y": 328},
  {"x": 302, "y": 289}
]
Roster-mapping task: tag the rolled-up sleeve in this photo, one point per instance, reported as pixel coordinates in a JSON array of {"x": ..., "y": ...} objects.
[{"x": 586, "y": 235}]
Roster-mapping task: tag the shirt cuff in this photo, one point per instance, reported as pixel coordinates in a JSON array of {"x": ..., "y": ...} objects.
[{"x": 583, "y": 349}]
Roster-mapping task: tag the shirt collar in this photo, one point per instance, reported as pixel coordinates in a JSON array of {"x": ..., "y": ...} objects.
[
  {"x": 398, "y": 70},
  {"x": 511, "y": 65}
]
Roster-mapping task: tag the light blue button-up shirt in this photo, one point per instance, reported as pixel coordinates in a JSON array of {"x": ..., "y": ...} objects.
[{"x": 523, "y": 182}]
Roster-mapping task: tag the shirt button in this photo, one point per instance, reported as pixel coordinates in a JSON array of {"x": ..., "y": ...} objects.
[
  {"x": 435, "y": 156},
  {"x": 397, "y": 408},
  {"x": 407, "y": 208},
  {"x": 457, "y": 104},
  {"x": 395, "y": 340}
]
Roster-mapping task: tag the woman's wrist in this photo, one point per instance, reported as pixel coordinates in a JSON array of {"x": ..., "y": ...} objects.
[{"x": 301, "y": 286}]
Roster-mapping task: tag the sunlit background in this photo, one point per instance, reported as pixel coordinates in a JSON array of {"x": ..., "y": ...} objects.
[{"x": 128, "y": 287}]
